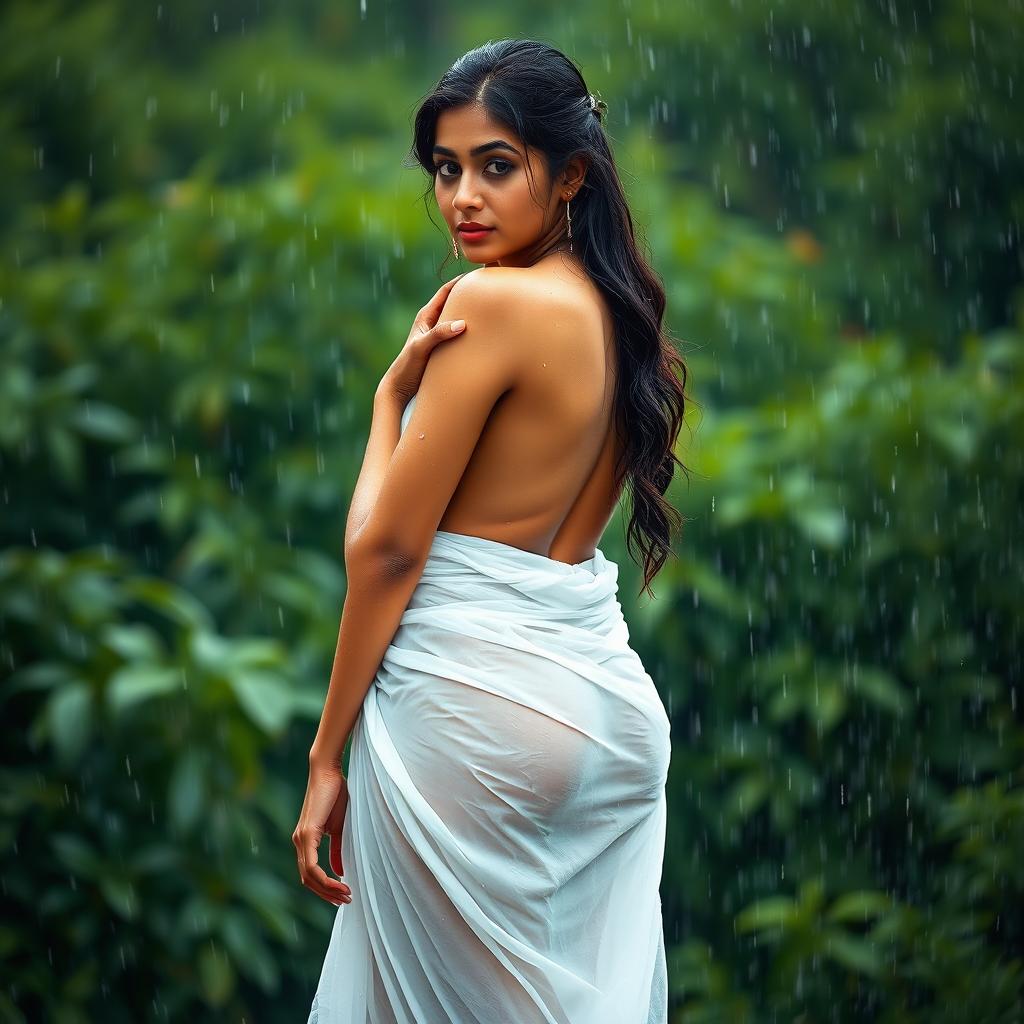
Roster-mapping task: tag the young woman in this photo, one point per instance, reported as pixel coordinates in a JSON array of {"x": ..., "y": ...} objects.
[{"x": 502, "y": 830}]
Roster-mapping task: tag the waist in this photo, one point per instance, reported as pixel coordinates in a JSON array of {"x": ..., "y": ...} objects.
[{"x": 480, "y": 576}]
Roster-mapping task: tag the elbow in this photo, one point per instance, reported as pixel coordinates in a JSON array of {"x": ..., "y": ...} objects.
[{"x": 380, "y": 557}]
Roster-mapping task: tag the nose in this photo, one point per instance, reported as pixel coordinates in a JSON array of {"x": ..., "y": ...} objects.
[{"x": 466, "y": 195}]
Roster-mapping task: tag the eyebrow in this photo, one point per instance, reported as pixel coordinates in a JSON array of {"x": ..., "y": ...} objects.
[{"x": 494, "y": 144}]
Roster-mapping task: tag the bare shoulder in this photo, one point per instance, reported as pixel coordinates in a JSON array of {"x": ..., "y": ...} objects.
[
  {"x": 527, "y": 302},
  {"x": 506, "y": 288}
]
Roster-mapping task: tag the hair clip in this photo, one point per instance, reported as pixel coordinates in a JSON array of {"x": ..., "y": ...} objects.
[{"x": 597, "y": 105}]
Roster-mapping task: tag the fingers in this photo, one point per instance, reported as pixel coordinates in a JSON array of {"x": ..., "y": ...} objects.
[
  {"x": 317, "y": 880},
  {"x": 447, "y": 329},
  {"x": 313, "y": 877},
  {"x": 444, "y": 331}
]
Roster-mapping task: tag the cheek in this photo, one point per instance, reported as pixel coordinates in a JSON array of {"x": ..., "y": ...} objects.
[{"x": 519, "y": 208}]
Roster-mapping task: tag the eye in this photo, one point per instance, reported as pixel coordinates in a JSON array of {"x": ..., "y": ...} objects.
[{"x": 500, "y": 174}]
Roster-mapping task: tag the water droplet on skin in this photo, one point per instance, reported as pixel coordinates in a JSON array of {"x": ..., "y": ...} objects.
[{"x": 422, "y": 436}]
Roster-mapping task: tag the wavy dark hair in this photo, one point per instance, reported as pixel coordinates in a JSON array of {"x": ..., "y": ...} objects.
[{"x": 539, "y": 93}]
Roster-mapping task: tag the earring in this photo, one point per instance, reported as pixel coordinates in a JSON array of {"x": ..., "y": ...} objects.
[
  {"x": 455, "y": 247},
  {"x": 568, "y": 217}
]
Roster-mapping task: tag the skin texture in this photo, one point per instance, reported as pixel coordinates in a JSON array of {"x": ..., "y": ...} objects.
[{"x": 511, "y": 437}]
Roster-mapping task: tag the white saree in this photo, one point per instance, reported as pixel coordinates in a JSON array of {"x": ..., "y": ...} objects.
[{"x": 506, "y": 822}]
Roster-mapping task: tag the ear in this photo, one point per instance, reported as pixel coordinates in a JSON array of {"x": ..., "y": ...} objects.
[{"x": 573, "y": 175}]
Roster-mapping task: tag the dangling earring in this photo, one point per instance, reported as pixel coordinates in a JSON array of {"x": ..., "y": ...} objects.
[
  {"x": 568, "y": 217},
  {"x": 454, "y": 245}
]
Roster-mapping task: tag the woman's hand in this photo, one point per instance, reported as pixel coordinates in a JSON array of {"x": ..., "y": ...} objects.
[
  {"x": 323, "y": 811},
  {"x": 402, "y": 379}
]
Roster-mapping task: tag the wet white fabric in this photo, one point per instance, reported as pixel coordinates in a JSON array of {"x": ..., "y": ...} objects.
[{"x": 506, "y": 824}]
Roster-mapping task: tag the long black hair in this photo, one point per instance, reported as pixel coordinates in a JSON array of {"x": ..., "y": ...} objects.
[{"x": 538, "y": 92}]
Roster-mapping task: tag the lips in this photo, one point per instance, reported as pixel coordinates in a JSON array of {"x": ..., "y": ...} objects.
[{"x": 473, "y": 235}]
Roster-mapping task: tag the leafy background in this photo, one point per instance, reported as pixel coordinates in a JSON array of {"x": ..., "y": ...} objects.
[{"x": 211, "y": 251}]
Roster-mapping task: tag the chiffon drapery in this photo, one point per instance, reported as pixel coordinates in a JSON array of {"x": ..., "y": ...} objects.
[{"x": 506, "y": 823}]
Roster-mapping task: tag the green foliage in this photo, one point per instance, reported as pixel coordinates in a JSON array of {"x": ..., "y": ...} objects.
[
  {"x": 846, "y": 778},
  {"x": 211, "y": 252}
]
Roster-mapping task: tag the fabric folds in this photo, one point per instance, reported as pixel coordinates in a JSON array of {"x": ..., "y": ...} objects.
[{"x": 506, "y": 825}]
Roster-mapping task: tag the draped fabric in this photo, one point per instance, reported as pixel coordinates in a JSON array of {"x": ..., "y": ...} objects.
[{"x": 506, "y": 822}]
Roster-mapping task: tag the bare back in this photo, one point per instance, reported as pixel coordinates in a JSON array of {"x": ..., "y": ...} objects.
[{"x": 541, "y": 476}]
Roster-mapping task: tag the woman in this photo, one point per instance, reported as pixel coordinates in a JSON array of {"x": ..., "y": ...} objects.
[{"x": 502, "y": 829}]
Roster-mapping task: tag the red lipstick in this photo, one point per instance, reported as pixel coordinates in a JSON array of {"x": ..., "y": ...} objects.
[{"x": 471, "y": 231}]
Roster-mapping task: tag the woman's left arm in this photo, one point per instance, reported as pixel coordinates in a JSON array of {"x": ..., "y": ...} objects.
[
  {"x": 385, "y": 556},
  {"x": 394, "y": 391},
  {"x": 377, "y": 593},
  {"x": 385, "y": 430},
  {"x": 386, "y": 553}
]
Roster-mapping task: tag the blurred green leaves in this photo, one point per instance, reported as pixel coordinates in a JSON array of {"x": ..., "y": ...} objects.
[{"x": 211, "y": 252}]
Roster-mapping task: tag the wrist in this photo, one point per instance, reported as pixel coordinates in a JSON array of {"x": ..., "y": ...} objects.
[{"x": 324, "y": 761}]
